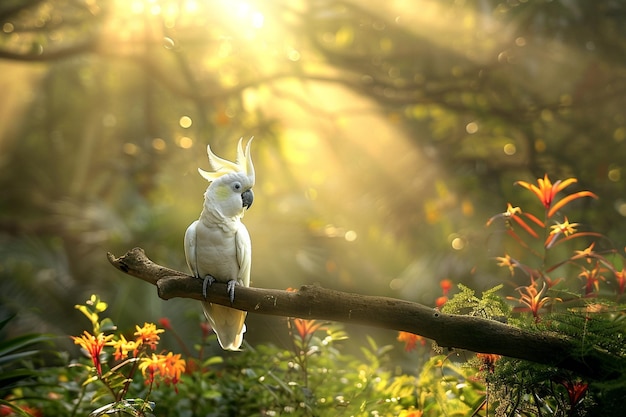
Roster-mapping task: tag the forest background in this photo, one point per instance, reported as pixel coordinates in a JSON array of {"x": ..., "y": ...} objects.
[{"x": 386, "y": 133}]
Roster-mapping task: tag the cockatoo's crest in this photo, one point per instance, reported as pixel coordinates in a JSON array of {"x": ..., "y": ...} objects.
[{"x": 222, "y": 166}]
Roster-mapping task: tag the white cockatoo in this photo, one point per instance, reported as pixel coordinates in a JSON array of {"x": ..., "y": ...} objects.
[{"x": 217, "y": 245}]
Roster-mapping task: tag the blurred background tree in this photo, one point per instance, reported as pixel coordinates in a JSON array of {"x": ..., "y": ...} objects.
[{"x": 386, "y": 134}]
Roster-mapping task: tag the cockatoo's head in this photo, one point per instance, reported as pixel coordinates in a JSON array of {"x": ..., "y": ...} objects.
[{"x": 230, "y": 191}]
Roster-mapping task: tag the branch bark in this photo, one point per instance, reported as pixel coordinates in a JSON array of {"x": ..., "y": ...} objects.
[{"x": 313, "y": 302}]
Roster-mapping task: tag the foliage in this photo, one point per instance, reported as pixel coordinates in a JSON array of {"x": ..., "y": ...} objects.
[
  {"x": 106, "y": 380},
  {"x": 550, "y": 253},
  {"x": 317, "y": 376},
  {"x": 17, "y": 366},
  {"x": 314, "y": 377}
]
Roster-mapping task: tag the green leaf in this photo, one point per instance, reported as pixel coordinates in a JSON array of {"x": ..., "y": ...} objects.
[
  {"x": 17, "y": 410},
  {"x": 21, "y": 342}
]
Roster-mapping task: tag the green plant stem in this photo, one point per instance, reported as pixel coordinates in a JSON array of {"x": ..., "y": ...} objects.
[
  {"x": 78, "y": 401},
  {"x": 129, "y": 379}
]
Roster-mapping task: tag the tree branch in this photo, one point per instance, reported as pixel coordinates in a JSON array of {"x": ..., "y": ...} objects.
[{"x": 453, "y": 331}]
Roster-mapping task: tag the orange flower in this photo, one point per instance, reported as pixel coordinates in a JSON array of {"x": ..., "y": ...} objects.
[
  {"x": 148, "y": 335},
  {"x": 446, "y": 285},
  {"x": 168, "y": 368},
  {"x": 410, "y": 340},
  {"x": 534, "y": 299},
  {"x": 592, "y": 278},
  {"x": 93, "y": 345},
  {"x": 440, "y": 301},
  {"x": 122, "y": 347},
  {"x": 306, "y": 328},
  {"x": 488, "y": 361},
  {"x": 173, "y": 367},
  {"x": 546, "y": 191},
  {"x": 587, "y": 253}
]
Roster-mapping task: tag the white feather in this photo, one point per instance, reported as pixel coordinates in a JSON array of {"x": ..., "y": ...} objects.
[{"x": 218, "y": 244}]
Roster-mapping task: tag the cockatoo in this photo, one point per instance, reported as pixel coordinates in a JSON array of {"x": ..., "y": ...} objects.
[{"x": 217, "y": 245}]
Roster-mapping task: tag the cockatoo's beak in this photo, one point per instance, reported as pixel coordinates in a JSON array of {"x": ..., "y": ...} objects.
[{"x": 247, "y": 197}]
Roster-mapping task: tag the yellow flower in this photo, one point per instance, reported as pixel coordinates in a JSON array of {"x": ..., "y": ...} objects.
[
  {"x": 122, "y": 347},
  {"x": 566, "y": 229},
  {"x": 93, "y": 345},
  {"x": 148, "y": 335},
  {"x": 508, "y": 262}
]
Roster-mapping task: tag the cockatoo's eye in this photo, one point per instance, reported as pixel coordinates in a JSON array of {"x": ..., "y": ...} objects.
[{"x": 236, "y": 186}]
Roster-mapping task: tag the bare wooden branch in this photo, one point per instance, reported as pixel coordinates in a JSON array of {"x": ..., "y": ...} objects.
[{"x": 312, "y": 302}]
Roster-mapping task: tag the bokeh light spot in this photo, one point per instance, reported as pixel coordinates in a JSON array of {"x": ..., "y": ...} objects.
[
  {"x": 350, "y": 236},
  {"x": 457, "y": 243},
  {"x": 615, "y": 174},
  {"x": 130, "y": 148},
  {"x": 471, "y": 128},
  {"x": 510, "y": 149},
  {"x": 547, "y": 115},
  {"x": 158, "y": 144},
  {"x": 184, "y": 142},
  {"x": 185, "y": 122}
]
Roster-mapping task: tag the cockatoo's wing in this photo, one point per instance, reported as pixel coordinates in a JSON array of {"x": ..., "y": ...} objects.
[
  {"x": 190, "y": 249},
  {"x": 244, "y": 255}
]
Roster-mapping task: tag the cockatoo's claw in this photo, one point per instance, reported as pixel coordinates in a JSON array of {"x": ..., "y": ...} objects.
[
  {"x": 206, "y": 283},
  {"x": 230, "y": 288}
]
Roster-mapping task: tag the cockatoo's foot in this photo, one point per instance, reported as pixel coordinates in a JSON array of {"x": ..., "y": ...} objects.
[
  {"x": 230, "y": 288},
  {"x": 207, "y": 281}
]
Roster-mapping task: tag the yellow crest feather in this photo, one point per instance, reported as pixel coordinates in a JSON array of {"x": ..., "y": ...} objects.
[{"x": 222, "y": 166}]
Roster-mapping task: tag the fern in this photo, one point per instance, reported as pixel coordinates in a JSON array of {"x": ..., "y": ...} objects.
[{"x": 489, "y": 306}]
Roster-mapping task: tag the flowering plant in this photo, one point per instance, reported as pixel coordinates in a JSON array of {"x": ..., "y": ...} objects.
[{"x": 115, "y": 361}]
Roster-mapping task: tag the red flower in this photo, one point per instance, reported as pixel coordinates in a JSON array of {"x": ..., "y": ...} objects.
[
  {"x": 575, "y": 391},
  {"x": 165, "y": 323}
]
